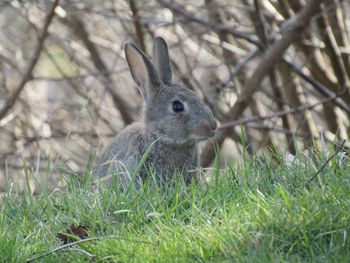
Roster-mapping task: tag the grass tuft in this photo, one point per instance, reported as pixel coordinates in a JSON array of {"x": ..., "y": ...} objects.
[{"x": 254, "y": 211}]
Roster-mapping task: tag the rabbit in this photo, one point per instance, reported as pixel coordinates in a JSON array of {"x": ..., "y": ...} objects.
[{"x": 174, "y": 120}]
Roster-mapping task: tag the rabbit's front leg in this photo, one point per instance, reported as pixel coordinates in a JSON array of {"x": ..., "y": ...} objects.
[{"x": 194, "y": 172}]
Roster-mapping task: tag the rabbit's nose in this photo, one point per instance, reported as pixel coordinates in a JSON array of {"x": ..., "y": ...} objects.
[{"x": 212, "y": 124}]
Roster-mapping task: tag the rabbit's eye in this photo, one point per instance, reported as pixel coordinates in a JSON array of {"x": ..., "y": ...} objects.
[{"x": 178, "y": 106}]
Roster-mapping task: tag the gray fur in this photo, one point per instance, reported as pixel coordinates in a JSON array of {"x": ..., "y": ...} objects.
[
  {"x": 171, "y": 136},
  {"x": 161, "y": 60}
]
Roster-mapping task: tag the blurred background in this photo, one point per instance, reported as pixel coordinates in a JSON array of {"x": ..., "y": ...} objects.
[{"x": 64, "y": 94}]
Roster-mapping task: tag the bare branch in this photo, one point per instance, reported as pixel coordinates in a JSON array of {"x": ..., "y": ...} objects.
[
  {"x": 293, "y": 31},
  {"x": 275, "y": 114},
  {"x": 137, "y": 25},
  {"x": 325, "y": 163},
  {"x": 9, "y": 102},
  {"x": 319, "y": 87},
  {"x": 177, "y": 8},
  {"x": 79, "y": 29}
]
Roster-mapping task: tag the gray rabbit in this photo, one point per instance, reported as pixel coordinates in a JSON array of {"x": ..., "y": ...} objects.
[{"x": 174, "y": 120}]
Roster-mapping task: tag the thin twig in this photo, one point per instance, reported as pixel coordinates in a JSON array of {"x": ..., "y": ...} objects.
[
  {"x": 80, "y": 76},
  {"x": 89, "y": 255},
  {"x": 318, "y": 86},
  {"x": 9, "y": 102},
  {"x": 241, "y": 64},
  {"x": 138, "y": 26},
  {"x": 177, "y": 8},
  {"x": 84, "y": 241},
  {"x": 325, "y": 163},
  {"x": 273, "y": 54},
  {"x": 279, "y": 130},
  {"x": 79, "y": 29},
  {"x": 275, "y": 114}
]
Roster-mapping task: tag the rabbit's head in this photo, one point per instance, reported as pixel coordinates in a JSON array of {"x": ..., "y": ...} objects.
[{"x": 171, "y": 111}]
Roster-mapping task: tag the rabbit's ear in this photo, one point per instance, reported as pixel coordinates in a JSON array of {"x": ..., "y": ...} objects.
[
  {"x": 142, "y": 70},
  {"x": 161, "y": 60}
]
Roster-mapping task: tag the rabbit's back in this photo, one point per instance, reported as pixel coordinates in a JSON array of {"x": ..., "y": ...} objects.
[{"x": 123, "y": 152}]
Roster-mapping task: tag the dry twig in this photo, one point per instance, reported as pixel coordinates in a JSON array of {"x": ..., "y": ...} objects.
[
  {"x": 274, "y": 53},
  {"x": 325, "y": 163},
  {"x": 10, "y": 101},
  {"x": 276, "y": 114},
  {"x": 85, "y": 241}
]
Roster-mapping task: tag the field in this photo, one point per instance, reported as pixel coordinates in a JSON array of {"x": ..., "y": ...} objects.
[{"x": 258, "y": 210}]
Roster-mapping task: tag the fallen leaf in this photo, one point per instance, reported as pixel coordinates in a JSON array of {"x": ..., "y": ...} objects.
[{"x": 73, "y": 233}]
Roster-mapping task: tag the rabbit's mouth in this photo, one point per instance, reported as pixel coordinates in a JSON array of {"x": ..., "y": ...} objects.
[
  {"x": 204, "y": 131},
  {"x": 200, "y": 137}
]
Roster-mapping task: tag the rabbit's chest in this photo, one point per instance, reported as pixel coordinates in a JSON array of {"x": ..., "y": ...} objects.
[{"x": 168, "y": 160}]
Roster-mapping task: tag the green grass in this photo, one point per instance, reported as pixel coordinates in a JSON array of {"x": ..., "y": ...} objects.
[{"x": 256, "y": 211}]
